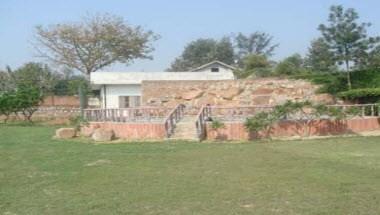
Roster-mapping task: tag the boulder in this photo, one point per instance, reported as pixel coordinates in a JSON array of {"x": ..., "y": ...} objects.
[
  {"x": 103, "y": 135},
  {"x": 261, "y": 100},
  {"x": 65, "y": 133},
  {"x": 323, "y": 98},
  {"x": 193, "y": 94},
  {"x": 88, "y": 130},
  {"x": 262, "y": 91},
  {"x": 230, "y": 93}
]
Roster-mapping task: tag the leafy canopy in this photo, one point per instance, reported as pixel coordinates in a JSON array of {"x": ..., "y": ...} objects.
[
  {"x": 347, "y": 39},
  {"x": 202, "y": 51},
  {"x": 94, "y": 43}
]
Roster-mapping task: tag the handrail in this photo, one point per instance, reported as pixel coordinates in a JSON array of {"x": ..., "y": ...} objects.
[
  {"x": 200, "y": 124},
  {"x": 239, "y": 112},
  {"x": 173, "y": 118},
  {"x": 125, "y": 114}
]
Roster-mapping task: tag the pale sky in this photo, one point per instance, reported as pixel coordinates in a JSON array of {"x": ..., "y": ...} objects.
[{"x": 292, "y": 23}]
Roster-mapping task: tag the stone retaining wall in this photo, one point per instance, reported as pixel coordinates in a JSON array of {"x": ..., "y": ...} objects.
[
  {"x": 237, "y": 131},
  {"x": 267, "y": 91}
]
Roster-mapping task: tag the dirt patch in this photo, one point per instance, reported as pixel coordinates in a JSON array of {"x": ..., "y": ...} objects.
[{"x": 99, "y": 163}]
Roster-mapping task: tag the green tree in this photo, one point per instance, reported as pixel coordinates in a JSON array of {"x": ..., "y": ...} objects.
[
  {"x": 320, "y": 58},
  {"x": 257, "y": 43},
  {"x": 5, "y": 81},
  {"x": 94, "y": 43},
  {"x": 202, "y": 51},
  {"x": 293, "y": 65},
  {"x": 347, "y": 38},
  {"x": 255, "y": 66},
  {"x": 34, "y": 75}
]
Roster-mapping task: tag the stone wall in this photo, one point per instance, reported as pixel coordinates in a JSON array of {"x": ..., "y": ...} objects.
[{"x": 268, "y": 91}]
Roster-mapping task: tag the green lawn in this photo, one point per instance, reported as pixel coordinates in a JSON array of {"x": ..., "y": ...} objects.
[{"x": 39, "y": 175}]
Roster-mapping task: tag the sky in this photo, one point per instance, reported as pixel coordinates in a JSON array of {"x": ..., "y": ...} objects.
[{"x": 292, "y": 23}]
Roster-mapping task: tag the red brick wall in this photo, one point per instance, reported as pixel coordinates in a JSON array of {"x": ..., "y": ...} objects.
[
  {"x": 133, "y": 130},
  {"x": 237, "y": 131},
  {"x": 61, "y": 101}
]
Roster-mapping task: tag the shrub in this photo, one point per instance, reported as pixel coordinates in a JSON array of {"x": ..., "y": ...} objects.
[
  {"x": 302, "y": 113},
  {"x": 216, "y": 124}
]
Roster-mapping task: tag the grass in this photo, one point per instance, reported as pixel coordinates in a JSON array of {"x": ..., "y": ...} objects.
[{"x": 39, "y": 175}]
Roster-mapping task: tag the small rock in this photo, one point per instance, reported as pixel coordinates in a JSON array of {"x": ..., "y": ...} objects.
[
  {"x": 193, "y": 94},
  {"x": 65, "y": 133},
  {"x": 102, "y": 135},
  {"x": 231, "y": 93}
]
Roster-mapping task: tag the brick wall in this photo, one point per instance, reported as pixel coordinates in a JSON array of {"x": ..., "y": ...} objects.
[
  {"x": 134, "y": 131},
  {"x": 237, "y": 131},
  {"x": 61, "y": 101},
  {"x": 267, "y": 91}
]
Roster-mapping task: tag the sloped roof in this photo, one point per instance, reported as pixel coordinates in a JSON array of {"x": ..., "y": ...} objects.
[
  {"x": 114, "y": 78},
  {"x": 214, "y": 62}
]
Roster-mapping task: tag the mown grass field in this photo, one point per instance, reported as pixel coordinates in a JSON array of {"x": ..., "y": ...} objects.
[{"x": 39, "y": 175}]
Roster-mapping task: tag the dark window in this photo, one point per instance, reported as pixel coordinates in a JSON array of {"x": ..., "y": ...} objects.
[
  {"x": 129, "y": 101},
  {"x": 214, "y": 69}
]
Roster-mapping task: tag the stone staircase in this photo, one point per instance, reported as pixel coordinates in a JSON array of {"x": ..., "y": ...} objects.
[{"x": 185, "y": 129}]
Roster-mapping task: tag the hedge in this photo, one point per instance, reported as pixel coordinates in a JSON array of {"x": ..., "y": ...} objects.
[{"x": 362, "y": 95}]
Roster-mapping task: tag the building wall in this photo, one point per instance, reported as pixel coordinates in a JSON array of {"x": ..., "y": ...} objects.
[
  {"x": 269, "y": 91},
  {"x": 112, "y": 93}
]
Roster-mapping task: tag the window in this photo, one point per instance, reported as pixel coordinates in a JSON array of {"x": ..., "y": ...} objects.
[
  {"x": 215, "y": 69},
  {"x": 129, "y": 101}
]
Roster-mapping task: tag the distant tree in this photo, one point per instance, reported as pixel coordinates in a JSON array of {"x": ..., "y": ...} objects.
[
  {"x": 5, "y": 81},
  {"x": 94, "y": 43},
  {"x": 292, "y": 65},
  {"x": 257, "y": 43},
  {"x": 320, "y": 58},
  {"x": 374, "y": 58},
  {"x": 202, "y": 51},
  {"x": 255, "y": 66},
  {"x": 347, "y": 38},
  {"x": 34, "y": 75},
  {"x": 70, "y": 85}
]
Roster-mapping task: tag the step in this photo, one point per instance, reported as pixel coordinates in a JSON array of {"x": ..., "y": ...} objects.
[{"x": 185, "y": 129}]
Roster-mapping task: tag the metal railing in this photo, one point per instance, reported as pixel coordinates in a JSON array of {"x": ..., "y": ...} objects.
[
  {"x": 200, "y": 124},
  {"x": 173, "y": 118},
  {"x": 241, "y": 113},
  {"x": 140, "y": 114}
]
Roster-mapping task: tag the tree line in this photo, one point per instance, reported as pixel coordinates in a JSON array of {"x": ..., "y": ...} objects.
[{"x": 100, "y": 40}]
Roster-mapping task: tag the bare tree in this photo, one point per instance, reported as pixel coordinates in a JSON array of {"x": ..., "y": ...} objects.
[{"x": 94, "y": 43}]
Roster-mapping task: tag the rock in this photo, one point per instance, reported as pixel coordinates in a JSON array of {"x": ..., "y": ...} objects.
[
  {"x": 262, "y": 91},
  {"x": 65, "y": 133},
  {"x": 230, "y": 93},
  {"x": 193, "y": 94},
  {"x": 87, "y": 131},
  {"x": 208, "y": 99},
  {"x": 261, "y": 100},
  {"x": 323, "y": 98},
  {"x": 102, "y": 135}
]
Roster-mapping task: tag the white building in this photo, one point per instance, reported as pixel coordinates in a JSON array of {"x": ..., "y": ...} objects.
[{"x": 123, "y": 89}]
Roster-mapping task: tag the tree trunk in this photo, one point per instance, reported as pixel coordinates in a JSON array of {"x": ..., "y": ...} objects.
[{"x": 348, "y": 75}]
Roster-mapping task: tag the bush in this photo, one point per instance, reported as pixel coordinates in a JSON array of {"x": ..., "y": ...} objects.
[
  {"x": 216, "y": 124},
  {"x": 25, "y": 100},
  {"x": 366, "y": 95},
  {"x": 303, "y": 113}
]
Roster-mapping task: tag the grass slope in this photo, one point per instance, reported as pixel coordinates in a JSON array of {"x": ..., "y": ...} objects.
[{"x": 39, "y": 175}]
